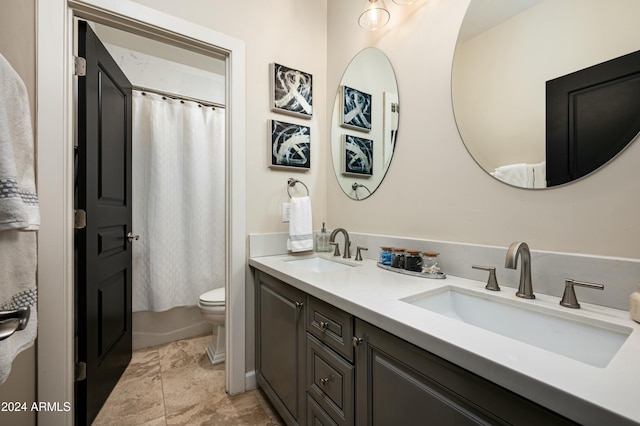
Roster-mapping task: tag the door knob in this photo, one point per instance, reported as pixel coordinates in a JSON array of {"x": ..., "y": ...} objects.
[{"x": 132, "y": 237}]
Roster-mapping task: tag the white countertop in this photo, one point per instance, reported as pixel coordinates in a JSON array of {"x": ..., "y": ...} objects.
[{"x": 581, "y": 392}]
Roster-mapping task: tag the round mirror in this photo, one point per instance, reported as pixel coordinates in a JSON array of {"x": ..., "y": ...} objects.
[
  {"x": 364, "y": 124},
  {"x": 547, "y": 91}
]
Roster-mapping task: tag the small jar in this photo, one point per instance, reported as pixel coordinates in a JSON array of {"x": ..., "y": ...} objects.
[
  {"x": 385, "y": 255},
  {"x": 413, "y": 261},
  {"x": 397, "y": 258},
  {"x": 431, "y": 262}
]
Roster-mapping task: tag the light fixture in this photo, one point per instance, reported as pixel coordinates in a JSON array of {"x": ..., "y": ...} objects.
[
  {"x": 374, "y": 15},
  {"x": 404, "y": 2}
]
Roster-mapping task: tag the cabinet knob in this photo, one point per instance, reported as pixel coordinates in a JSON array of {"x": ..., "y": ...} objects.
[
  {"x": 325, "y": 380},
  {"x": 323, "y": 325},
  {"x": 299, "y": 305},
  {"x": 356, "y": 341}
]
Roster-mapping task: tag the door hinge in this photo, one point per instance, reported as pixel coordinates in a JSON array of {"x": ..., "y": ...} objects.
[
  {"x": 80, "y": 66},
  {"x": 81, "y": 371},
  {"x": 79, "y": 219}
]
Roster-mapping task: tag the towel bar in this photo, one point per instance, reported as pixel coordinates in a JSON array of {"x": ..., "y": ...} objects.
[{"x": 292, "y": 182}]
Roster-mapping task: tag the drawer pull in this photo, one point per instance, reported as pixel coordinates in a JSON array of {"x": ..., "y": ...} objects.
[{"x": 323, "y": 325}]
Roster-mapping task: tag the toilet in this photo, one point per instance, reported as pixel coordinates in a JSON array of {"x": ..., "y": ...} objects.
[{"x": 212, "y": 308}]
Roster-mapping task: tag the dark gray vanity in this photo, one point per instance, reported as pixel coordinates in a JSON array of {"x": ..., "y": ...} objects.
[{"x": 320, "y": 365}]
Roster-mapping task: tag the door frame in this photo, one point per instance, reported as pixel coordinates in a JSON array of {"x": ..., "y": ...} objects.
[{"x": 54, "y": 135}]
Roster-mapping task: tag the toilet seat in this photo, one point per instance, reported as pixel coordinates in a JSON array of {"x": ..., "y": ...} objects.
[{"x": 213, "y": 297}]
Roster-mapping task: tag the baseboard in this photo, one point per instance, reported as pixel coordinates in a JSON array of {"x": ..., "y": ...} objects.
[{"x": 250, "y": 382}]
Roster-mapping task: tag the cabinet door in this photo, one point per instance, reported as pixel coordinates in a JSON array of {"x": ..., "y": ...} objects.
[
  {"x": 399, "y": 383},
  {"x": 280, "y": 346}
]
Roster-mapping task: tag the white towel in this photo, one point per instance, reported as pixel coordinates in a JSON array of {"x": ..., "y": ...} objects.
[
  {"x": 540, "y": 174},
  {"x": 18, "y": 262},
  {"x": 300, "y": 225},
  {"x": 515, "y": 174},
  {"x": 18, "y": 199},
  {"x": 18, "y": 212}
]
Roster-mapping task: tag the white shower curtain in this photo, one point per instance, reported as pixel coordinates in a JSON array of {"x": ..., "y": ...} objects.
[{"x": 178, "y": 201}]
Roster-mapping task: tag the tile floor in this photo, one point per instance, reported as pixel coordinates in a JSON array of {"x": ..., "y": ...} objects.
[{"x": 175, "y": 384}]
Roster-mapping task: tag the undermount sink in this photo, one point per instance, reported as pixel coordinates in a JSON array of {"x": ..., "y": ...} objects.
[
  {"x": 319, "y": 264},
  {"x": 594, "y": 342}
]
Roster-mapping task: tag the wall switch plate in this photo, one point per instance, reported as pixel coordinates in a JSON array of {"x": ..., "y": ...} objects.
[{"x": 286, "y": 211}]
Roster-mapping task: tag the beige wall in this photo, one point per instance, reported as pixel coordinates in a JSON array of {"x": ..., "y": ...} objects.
[
  {"x": 434, "y": 189},
  {"x": 17, "y": 45},
  {"x": 289, "y": 32}
]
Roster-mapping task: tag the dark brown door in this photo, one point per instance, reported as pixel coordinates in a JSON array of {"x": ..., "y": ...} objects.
[
  {"x": 103, "y": 252},
  {"x": 592, "y": 115}
]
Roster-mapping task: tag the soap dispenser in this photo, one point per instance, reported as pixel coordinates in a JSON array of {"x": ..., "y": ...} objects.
[
  {"x": 322, "y": 240},
  {"x": 634, "y": 305}
]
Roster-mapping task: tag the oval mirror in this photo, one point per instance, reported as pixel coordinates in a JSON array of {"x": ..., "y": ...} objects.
[
  {"x": 364, "y": 124},
  {"x": 547, "y": 91}
]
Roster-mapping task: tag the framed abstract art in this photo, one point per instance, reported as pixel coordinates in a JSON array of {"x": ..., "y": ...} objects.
[
  {"x": 289, "y": 145},
  {"x": 355, "y": 109},
  {"x": 357, "y": 155},
  {"x": 291, "y": 91}
]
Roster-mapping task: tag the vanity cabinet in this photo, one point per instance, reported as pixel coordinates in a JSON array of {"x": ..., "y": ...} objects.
[
  {"x": 280, "y": 346},
  {"x": 319, "y": 365},
  {"x": 399, "y": 383}
]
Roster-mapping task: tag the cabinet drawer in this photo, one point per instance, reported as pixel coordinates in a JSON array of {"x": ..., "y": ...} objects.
[
  {"x": 331, "y": 326},
  {"x": 330, "y": 381},
  {"x": 316, "y": 416}
]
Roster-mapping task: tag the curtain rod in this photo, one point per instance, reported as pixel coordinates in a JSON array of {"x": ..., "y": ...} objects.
[{"x": 179, "y": 97}]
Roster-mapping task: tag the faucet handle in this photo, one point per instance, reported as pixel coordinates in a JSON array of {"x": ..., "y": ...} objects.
[
  {"x": 358, "y": 254},
  {"x": 569, "y": 298},
  {"x": 336, "y": 251},
  {"x": 492, "y": 281}
]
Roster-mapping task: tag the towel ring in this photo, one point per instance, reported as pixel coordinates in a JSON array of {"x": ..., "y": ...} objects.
[
  {"x": 292, "y": 182},
  {"x": 357, "y": 185}
]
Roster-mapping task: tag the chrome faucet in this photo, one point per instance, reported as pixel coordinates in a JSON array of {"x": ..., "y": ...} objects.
[
  {"x": 525, "y": 288},
  {"x": 347, "y": 243}
]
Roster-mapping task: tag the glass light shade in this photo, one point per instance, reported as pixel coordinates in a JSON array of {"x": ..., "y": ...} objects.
[{"x": 374, "y": 15}]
